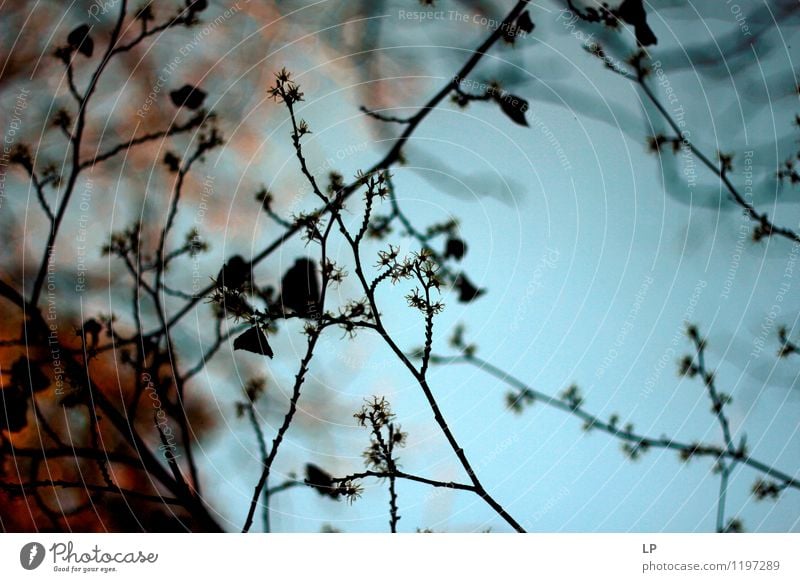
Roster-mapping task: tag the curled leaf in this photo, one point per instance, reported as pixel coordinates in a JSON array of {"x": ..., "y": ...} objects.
[
  {"x": 90, "y": 331},
  {"x": 172, "y": 162},
  {"x": 632, "y": 12},
  {"x": 253, "y": 340},
  {"x": 466, "y": 290},
  {"x": 514, "y": 107},
  {"x": 522, "y": 26}
]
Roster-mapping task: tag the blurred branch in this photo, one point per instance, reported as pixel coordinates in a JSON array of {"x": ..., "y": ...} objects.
[
  {"x": 765, "y": 227},
  {"x": 718, "y": 402},
  {"x": 264, "y": 453},
  {"x": 72, "y": 452},
  {"x": 219, "y": 341},
  {"x": 75, "y": 162},
  {"x": 205, "y": 144},
  {"x": 38, "y": 185},
  {"x": 184, "y": 17},
  {"x": 687, "y": 450},
  {"x": 176, "y": 129},
  {"x": 787, "y": 347},
  {"x": 37, "y": 328},
  {"x": 19, "y": 489}
]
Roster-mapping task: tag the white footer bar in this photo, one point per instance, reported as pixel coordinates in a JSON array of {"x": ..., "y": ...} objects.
[{"x": 379, "y": 557}]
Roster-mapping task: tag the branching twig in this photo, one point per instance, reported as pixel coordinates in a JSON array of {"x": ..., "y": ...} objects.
[
  {"x": 611, "y": 427},
  {"x": 402, "y": 475},
  {"x": 765, "y": 227},
  {"x": 388, "y": 160}
]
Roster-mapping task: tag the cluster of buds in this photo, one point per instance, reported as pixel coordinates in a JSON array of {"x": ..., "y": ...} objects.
[
  {"x": 634, "y": 451},
  {"x": 123, "y": 242},
  {"x": 332, "y": 272},
  {"x": 285, "y": 90},
  {"x": 763, "y": 489},
  {"x": 787, "y": 347},
  {"x": 655, "y": 143},
  {"x": 376, "y": 414},
  {"x": 572, "y": 396}
]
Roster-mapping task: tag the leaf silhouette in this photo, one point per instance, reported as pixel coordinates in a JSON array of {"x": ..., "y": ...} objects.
[
  {"x": 253, "y": 340},
  {"x": 632, "y": 12},
  {"x": 172, "y": 162},
  {"x": 522, "y": 26},
  {"x": 320, "y": 480},
  {"x": 514, "y": 107},
  {"x": 455, "y": 248},
  {"x": 188, "y": 96},
  {"x": 466, "y": 290},
  {"x": 300, "y": 288},
  {"x": 524, "y": 22},
  {"x": 80, "y": 40},
  {"x": 234, "y": 274}
]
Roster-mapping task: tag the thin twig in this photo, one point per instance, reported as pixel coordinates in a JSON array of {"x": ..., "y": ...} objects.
[
  {"x": 385, "y": 118},
  {"x": 766, "y": 226},
  {"x": 402, "y": 475},
  {"x": 594, "y": 422}
]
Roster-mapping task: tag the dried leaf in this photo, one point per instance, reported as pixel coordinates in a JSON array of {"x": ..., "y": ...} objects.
[{"x": 253, "y": 340}]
